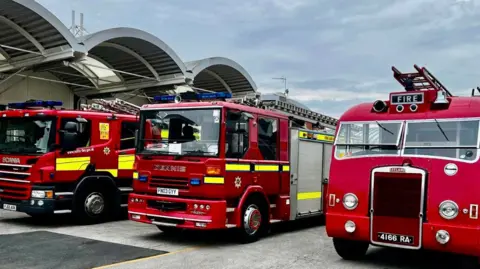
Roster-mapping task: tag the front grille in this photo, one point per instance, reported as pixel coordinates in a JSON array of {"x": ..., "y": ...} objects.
[
  {"x": 14, "y": 184},
  {"x": 164, "y": 182},
  {"x": 14, "y": 191},
  {"x": 167, "y": 206},
  {"x": 397, "y": 195}
]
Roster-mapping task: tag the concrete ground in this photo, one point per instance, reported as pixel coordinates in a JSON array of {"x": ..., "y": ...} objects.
[{"x": 299, "y": 245}]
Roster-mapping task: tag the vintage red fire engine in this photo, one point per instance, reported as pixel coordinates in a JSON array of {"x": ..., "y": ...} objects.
[
  {"x": 247, "y": 167},
  {"x": 410, "y": 180},
  {"x": 57, "y": 161}
]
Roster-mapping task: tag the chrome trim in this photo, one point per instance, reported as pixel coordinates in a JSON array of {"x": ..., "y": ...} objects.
[
  {"x": 408, "y": 170},
  {"x": 63, "y": 193},
  {"x": 65, "y": 211},
  {"x": 125, "y": 189},
  {"x": 15, "y": 165},
  {"x": 14, "y": 173},
  {"x": 14, "y": 180},
  {"x": 168, "y": 217},
  {"x": 230, "y": 209},
  {"x": 124, "y": 205}
]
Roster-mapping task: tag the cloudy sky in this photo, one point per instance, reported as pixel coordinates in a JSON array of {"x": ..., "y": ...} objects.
[{"x": 334, "y": 53}]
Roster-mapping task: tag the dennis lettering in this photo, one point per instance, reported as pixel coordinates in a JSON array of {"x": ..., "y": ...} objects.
[{"x": 170, "y": 168}]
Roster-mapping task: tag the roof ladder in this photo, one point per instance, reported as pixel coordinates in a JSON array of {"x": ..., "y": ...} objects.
[
  {"x": 113, "y": 106},
  {"x": 421, "y": 80}
]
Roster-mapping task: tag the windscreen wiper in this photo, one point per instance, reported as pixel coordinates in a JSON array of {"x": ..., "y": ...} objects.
[
  {"x": 385, "y": 129},
  {"x": 441, "y": 130}
]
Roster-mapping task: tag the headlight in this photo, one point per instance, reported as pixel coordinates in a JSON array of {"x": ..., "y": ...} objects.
[
  {"x": 350, "y": 201},
  {"x": 448, "y": 209},
  {"x": 42, "y": 194}
]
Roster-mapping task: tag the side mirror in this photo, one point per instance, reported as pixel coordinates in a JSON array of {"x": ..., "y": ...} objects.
[
  {"x": 136, "y": 138},
  {"x": 71, "y": 127},
  {"x": 69, "y": 141},
  {"x": 237, "y": 144}
]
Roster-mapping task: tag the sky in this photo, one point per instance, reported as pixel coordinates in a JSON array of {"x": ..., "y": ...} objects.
[{"x": 334, "y": 53}]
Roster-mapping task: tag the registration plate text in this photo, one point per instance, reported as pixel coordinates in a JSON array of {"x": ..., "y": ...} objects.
[
  {"x": 10, "y": 207},
  {"x": 167, "y": 191},
  {"x": 395, "y": 238}
]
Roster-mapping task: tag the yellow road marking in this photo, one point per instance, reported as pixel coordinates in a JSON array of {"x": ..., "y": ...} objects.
[{"x": 148, "y": 258}]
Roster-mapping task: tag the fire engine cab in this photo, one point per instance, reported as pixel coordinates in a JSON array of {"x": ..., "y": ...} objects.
[
  {"x": 56, "y": 161},
  {"x": 249, "y": 166},
  {"x": 402, "y": 172}
]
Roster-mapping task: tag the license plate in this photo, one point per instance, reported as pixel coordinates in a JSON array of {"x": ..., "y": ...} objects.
[
  {"x": 10, "y": 207},
  {"x": 395, "y": 238},
  {"x": 166, "y": 191}
]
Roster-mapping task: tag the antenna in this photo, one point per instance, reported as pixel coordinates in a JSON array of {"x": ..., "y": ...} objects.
[
  {"x": 78, "y": 30},
  {"x": 285, "y": 90}
]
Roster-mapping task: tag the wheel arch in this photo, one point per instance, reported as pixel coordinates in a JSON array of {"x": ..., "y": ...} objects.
[{"x": 251, "y": 192}]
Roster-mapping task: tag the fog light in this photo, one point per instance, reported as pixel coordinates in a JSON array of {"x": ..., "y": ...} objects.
[
  {"x": 40, "y": 202},
  {"x": 137, "y": 217},
  {"x": 200, "y": 224},
  {"x": 442, "y": 237},
  {"x": 350, "y": 226},
  {"x": 201, "y": 206},
  {"x": 195, "y": 206},
  {"x": 207, "y": 207}
]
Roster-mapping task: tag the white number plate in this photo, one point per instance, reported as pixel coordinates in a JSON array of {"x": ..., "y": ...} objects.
[
  {"x": 166, "y": 191},
  {"x": 10, "y": 207},
  {"x": 395, "y": 238}
]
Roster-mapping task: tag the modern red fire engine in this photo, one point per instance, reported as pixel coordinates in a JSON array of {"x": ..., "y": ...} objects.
[
  {"x": 249, "y": 165},
  {"x": 410, "y": 180},
  {"x": 56, "y": 161}
]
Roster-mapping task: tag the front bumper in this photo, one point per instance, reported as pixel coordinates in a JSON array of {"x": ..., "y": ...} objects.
[
  {"x": 463, "y": 240},
  {"x": 25, "y": 206},
  {"x": 140, "y": 209}
]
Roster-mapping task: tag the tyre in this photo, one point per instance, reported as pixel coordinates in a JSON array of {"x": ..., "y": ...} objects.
[
  {"x": 349, "y": 249},
  {"x": 93, "y": 204},
  {"x": 254, "y": 221}
]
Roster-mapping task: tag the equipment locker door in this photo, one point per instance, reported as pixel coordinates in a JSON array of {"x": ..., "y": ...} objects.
[{"x": 308, "y": 169}]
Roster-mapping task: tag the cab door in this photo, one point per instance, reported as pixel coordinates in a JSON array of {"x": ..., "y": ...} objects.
[
  {"x": 71, "y": 165},
  {"x": 268, "y": 167}
]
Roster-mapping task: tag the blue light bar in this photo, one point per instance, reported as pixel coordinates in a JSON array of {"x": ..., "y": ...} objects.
[
  {"x": 28, "y": 104},
  {"x": 194, "y": 96}
]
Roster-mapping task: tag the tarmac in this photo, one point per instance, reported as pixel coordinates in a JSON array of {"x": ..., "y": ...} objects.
[{"x": 29, "y": 243}]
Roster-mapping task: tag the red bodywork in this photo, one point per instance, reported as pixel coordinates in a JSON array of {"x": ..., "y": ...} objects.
[
  {"x": 397, "y": 194},
  {"x": 19, "y": 173},
  {"x": 225, "y": 199}
]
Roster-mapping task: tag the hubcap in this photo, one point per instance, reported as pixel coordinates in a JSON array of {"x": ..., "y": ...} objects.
[
  {"x": 252, "y": 219},
  {"x": 94, "y": 204}
]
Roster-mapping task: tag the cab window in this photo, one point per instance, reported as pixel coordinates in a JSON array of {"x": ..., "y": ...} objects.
[
  {"x": 268, "y": 138},
  {"x": 237, "y": 135},
  {"x": 127, "y": 139}
]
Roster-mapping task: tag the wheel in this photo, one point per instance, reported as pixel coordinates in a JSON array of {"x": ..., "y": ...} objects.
[
  {"x": 169, "y": 229},
  {"x": 254, "y": 223},
  {"x": 349, "y": 249},
  {"x": 93, "y": 205}
]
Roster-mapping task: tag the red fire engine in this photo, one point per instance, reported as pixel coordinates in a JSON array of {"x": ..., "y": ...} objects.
[
  {"x": 248, "y": 167},
  {"x": 409, "y": 179},
  {"x": 56, "y": 161}
]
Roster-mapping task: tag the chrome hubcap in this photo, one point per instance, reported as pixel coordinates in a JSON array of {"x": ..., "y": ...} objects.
[
  {"x": 94, "y": 204},
  {"x": 252, "y": 219}
]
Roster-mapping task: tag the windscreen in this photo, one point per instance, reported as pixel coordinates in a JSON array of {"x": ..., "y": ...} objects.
[
  {"x": 451, "y": 139},
  {"x": 180, "y": 132},
  {"x": 26, "y": 135},
  {"x": 359, "y": 139}
]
